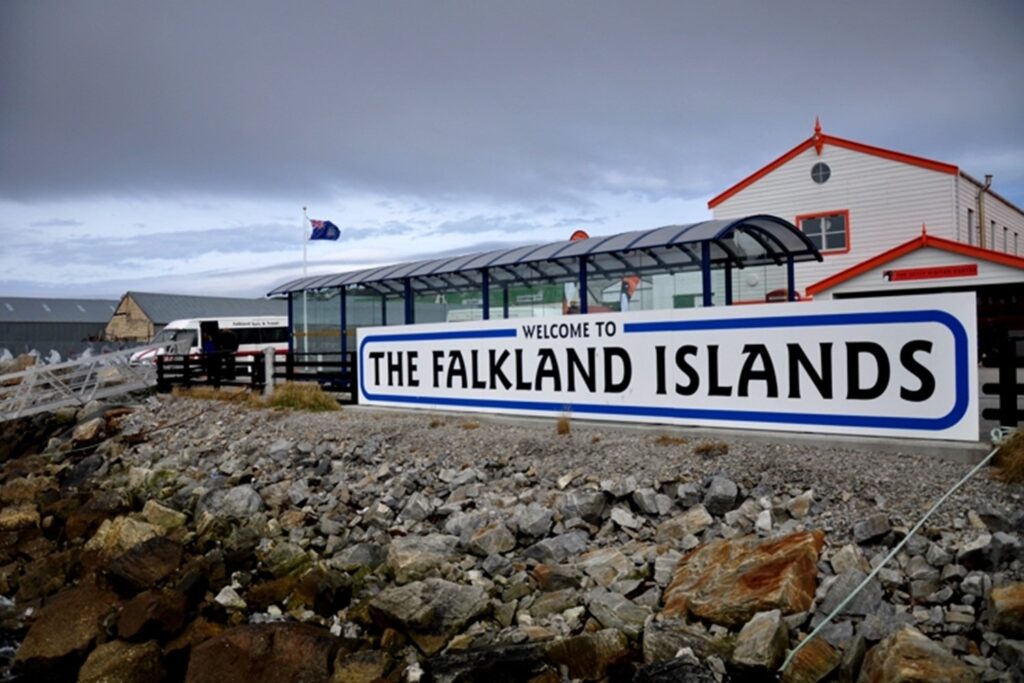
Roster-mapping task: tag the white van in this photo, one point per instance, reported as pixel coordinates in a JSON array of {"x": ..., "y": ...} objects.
[{"x": 252, "y": 334}]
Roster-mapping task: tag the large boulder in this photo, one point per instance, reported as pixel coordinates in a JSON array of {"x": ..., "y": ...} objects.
[
  {"x": 121, "y": 662},
  {"x": 117, "y": 536},
  {"x": 909, "y": 656},
  {"x": 762, "y": 643},
  {"x": 589, "y": 656},
  {"x": 264, "y": 653},
  {"x": 224, "y": 505},
  {"x": 65, "y": 628},
  {"x": 411, "y": 558},
  {"x": 430, "y": 612},
  {"x": 729, "y": 581},
  {"x": 1008, "y": 610}
]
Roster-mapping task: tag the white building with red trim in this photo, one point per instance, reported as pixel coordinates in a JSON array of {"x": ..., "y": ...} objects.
[{"x": 857, "y": 201}]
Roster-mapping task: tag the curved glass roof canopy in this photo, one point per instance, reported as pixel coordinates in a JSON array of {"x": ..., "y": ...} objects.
[{"x": 731, "y": 243}]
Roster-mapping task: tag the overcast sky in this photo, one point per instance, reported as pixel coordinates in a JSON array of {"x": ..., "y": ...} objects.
[{"x": 171, "y": 146}]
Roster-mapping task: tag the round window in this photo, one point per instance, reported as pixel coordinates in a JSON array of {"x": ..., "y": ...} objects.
[{"x": 820, "y": 172}]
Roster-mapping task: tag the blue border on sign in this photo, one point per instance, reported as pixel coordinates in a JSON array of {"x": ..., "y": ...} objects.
[{"x": 956, "y": 413}]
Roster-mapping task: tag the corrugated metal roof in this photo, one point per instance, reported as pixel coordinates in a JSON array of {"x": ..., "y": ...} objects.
[
  {"x": 779, "y": 238},
  {"x": 32, "y": 310},
  {"x": 163, "y": 308}
]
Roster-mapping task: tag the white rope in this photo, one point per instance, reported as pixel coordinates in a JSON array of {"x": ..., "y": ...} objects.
[{"x": 999, "y": 435}]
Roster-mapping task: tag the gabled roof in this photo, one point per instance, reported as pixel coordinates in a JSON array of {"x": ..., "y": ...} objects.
[
  {"x": 163, "y": 308},
  {"x": 922, "y": 241},
  {"x": 37, "y": 310},
  {"x": 818, "y": 141}
]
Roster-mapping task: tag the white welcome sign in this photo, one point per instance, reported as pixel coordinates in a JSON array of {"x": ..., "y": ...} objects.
[{"x": 895, "y": 366}]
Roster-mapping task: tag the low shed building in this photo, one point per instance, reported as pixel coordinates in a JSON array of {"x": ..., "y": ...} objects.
[
  {"x": 140, "y": 315},
  {"x": 67, "y": 326}
]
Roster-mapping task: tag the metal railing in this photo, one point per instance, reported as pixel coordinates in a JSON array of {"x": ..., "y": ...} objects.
[{"x": 45, "y": 388}]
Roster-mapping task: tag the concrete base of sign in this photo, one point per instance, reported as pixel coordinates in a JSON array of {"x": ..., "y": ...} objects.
[{"x": 954, "y": 451}]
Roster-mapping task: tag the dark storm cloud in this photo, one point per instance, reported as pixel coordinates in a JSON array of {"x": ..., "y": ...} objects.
[{"x": 547, "y": 102}]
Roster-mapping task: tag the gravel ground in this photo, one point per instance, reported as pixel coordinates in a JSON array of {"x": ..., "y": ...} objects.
[{"x": 848, "y": 483}]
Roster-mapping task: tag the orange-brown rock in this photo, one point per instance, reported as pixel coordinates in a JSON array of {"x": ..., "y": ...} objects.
[
  {"x": 729, "y": 581},
  {"x": 273, "y": 653},
  {"x": 65, "y": 628},
  {"x": 908, "y": 656},
  {"x": 1008, "y": 610},
  {"x": 816, "y": 660}
]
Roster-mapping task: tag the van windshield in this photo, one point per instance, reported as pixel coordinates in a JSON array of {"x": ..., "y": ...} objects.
[{"x": 167, "y": 335}]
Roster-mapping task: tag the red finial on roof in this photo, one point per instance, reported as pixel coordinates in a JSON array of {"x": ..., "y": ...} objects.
[
  {"x": 924, "y": 229},
  {"x": 819, "y": 141}
]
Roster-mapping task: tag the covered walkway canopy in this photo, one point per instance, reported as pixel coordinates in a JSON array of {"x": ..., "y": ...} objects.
[{"x": 698, "y": 249}]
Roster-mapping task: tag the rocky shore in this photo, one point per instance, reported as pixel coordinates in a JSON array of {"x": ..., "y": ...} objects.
[{"x": 176, "y": 539}]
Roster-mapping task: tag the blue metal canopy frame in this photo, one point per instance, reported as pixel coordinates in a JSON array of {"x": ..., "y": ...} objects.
[{"x": 704, "y": 246}]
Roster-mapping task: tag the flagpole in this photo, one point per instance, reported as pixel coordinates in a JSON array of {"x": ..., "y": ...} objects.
[
  {"x": 305, "y": 311},
  {"x": 305, "y": 222}
]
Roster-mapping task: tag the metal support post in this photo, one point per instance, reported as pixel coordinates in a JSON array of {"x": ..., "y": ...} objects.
[
  {"x": 790, "y": 279},
  {"x": 728, "y": 283},
  {"x": 705, "y": 269},
  {"x": 410, "y": 308},
  {"x": 485, "y": 290},
  {"x": 584, "y": 296}
]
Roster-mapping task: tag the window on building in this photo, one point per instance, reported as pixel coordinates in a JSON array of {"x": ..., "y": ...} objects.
[
  {"x": 970, "y": 226},
  {"x": 992, "y": 236},
  {"x": 1006, "y": 235},
  {"x": 829, "y": 232}
]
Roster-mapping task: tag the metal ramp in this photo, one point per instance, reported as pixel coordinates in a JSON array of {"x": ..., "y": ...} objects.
[{"x": 45, "y": 388}]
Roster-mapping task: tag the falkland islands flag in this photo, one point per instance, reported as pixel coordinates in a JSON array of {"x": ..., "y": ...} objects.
[{"x": 324, "y": 230}]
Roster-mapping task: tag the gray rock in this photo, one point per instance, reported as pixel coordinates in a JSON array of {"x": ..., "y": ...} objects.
[
  {"x": 613, "y": 610},
  {"x": 417, "y": 507},
  {"x": 298, "y": 492},
  {"x": 665, "y": 566},
  {"x": 587, "y": 505},
  {"x": 496, "y": 565},
  {"x": 720, "y": 496},
  {"x": 619, "y": 488},
  {"x": 976, "y": 554},
  {"x": 236, "y": 503},
  {"x": 280, "y": 449},
  {"x": 688, "y": 495},
  {"x": 693, "y": 521},
  {"x": 359, "y": 556},
  {"x": 937, "y": 557},
  {"x": 286, "y": 558},
  {"x": 663, "y": 639},
  {"x": 762, "y": 642},
  {"x": 430, "y": 612},
  {"x": 646, "y": 501},
  {"x": 864, "y": 603},
  {"x": 558, "y": 548},
  {"x": 849, "y": 557},
  {"x": 414, "y": 557},
  {"x": 533, "y": 521},
  {"x": 491, "y": 539},
  {"x": 871, "y": 528},
  {"x": 919, "y": 568},
  {"x": 554, "y": 602},
  {"x": 626, "y": 519},
  {"x": 606, "y": 566},
  {"x": 976, "y": 583},
  {"x": 463, "y": 524}
]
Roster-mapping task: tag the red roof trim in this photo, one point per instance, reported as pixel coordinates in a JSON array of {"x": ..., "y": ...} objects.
[
  {"x": 919, "y": 242},
  {"x": 825, "y": 139},
  {"x": 757, "y": 175}
]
